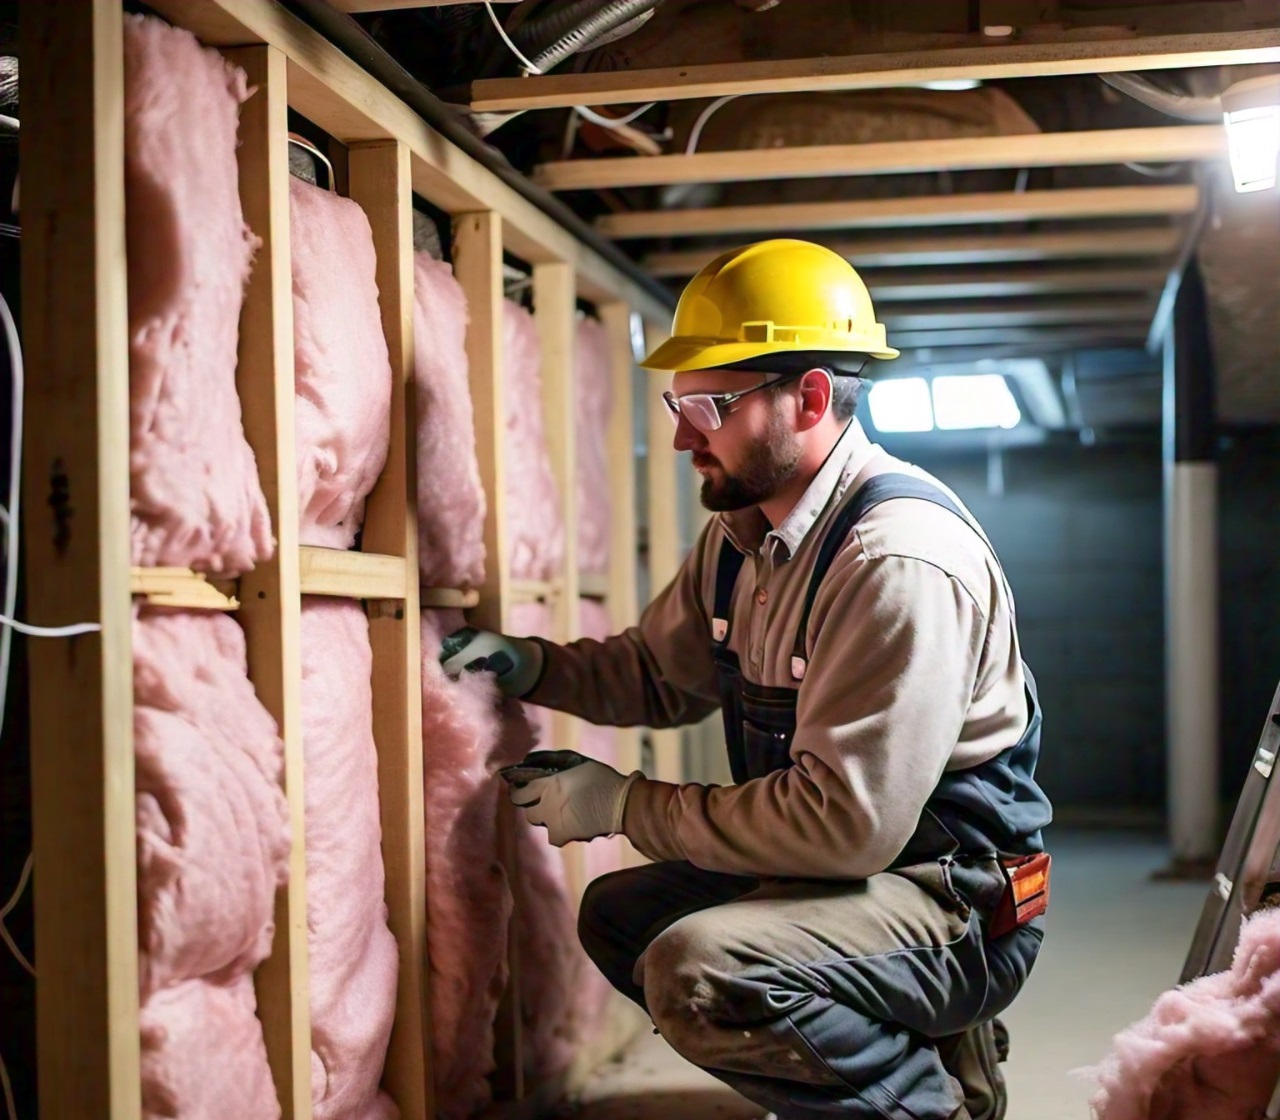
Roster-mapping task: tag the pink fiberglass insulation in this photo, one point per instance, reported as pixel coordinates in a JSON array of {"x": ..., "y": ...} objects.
[
  {"x": 341, "y": 369},
  {"x": 213, "y": 826},
  {"x": 1209, "y": 1050},
  {"x": 535, "y": 519},
  {"x": 595, "y": 403},
  {"x": 465, "y": 740},
  {"x": 195, "y": 496},
  {"x": 353, "y": 956},
  {"x": 203, "y": 1057},
  {"x": 451, "y": 500}
]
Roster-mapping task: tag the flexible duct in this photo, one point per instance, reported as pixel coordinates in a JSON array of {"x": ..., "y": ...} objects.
[
  {"x": 1180, "y": 105},
  {"x": 596, "y": 26}
]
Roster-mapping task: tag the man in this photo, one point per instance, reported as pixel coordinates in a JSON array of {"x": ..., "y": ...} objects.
[{"x": 833, "y": 934}]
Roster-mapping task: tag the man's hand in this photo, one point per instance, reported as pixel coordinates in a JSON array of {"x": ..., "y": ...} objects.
[
  {"x": 579, "y": 803},
  {"x": 516, "y": 662}
]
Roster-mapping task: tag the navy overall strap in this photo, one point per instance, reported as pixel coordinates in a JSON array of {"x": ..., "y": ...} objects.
[
  {"x": 881, "y": 488},
  {"x": 727, "y": 569}
]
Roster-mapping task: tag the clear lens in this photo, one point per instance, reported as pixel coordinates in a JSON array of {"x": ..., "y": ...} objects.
[{"x": 698, "y": 408}]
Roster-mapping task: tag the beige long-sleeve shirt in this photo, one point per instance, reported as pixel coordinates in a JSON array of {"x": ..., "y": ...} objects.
[{"x": 914, "y": 669}]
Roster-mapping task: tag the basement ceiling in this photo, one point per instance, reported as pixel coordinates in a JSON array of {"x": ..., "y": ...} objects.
[{"x": 1038, "y": 213}]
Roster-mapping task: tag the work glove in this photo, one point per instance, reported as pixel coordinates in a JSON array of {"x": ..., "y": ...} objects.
[
  {"x": 516, "y": 662},
  {"x": 582, "y": 800}
]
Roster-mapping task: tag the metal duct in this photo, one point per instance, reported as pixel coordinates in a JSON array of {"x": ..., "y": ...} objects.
[
  {"x": 593, "y": 28},
  {"x": 1180, "y": 105}
]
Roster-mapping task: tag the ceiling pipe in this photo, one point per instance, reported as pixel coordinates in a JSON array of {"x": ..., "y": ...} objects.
[
  {"x": 1206, "y": 110},
  {"x": 352, "y": 39}
]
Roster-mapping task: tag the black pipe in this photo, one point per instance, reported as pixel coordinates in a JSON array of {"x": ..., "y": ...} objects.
[{"x": 352, "y": 39}]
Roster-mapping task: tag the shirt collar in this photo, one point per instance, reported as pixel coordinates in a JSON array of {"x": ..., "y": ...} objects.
[{"x": 749, "y": 531}]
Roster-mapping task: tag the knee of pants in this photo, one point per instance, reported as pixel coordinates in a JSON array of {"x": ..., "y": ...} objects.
[{"x": 689, "y": 987}]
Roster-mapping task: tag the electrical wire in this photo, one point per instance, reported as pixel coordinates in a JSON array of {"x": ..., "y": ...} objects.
[
  {"x": 71, "y": 631},
  {"x": 612, "y": 122},
  {"x": 12, "y": 518},
  {"x": 1168, "y": 171},
  {"x": 696, "y": 133},
  {"x": 529, "y": 67}
]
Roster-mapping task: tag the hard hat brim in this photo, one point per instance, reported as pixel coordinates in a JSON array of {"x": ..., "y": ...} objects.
[{"x": 679, "y": 355}]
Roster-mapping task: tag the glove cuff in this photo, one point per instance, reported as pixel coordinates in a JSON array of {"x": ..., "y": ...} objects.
[{"x": 620, "y": 802}]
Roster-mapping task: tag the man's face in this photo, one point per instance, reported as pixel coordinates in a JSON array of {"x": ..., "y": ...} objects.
[{"x": 753, "y": 453}]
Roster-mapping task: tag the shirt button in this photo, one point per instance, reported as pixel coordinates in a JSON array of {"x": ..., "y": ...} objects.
[{"x": 762, "y": 596}]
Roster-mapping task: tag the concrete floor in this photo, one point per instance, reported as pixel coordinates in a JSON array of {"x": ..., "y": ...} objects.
[{"x": 1116, "y": 940}]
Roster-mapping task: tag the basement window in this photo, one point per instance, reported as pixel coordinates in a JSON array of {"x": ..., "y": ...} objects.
[
  {"x": 976, "y": 401},
  {"x": 901, "y": 405}
]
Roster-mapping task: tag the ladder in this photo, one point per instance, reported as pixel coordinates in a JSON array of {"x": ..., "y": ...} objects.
[{"x": 1248, "y": 871}]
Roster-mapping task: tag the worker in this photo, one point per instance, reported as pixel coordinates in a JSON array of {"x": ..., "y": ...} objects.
[{"x": 833, "y": 933}]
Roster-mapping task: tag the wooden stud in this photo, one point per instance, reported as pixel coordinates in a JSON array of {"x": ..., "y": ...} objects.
[
  {"x": 960, "y": 249},
  {"x": 1179, "y": 143},
  {"x": 379, "y": 182},
  {"x": 181, "y": 587},
  {"x": 353, "y": 575},
  {"x": 985, "y": 62},
  {"x": 271, "y": 594},
  {"x": 76, "y": 492},
  {"x": 885, "y": 213}
]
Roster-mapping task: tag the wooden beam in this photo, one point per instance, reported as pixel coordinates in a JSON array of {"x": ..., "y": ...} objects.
[
  {"x": 1049, "y": 337},
  {"x": 271, "y": 592},
  {"x": 930, "y": 284},
  {"x": 886, "y": 213},
  {"x": 181, "y": 587},
  {"x": 960, "y": 249},
  {"x": 352, "y": 575},
  {"x": 76, "y": 496},
  {"x": 378, "y": 178},
  {"x": 984, "y": 62},
  {"x": 1026, "y": 313},
  {"x": 1171, "y": 144}
]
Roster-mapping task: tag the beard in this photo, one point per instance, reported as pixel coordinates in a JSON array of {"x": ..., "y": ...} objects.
[{"x": 768, "y": 464}]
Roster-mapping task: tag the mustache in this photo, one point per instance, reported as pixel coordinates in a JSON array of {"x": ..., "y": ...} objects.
[{"x": 700, "y": 459}]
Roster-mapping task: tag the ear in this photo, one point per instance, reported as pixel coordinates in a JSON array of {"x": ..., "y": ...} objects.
[{"x": 815, "y": 398}]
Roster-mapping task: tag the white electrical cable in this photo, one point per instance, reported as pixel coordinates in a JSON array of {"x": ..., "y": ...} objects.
[
  {"x": 12, "y": 518},
  {"x": 529, "y": 67},
  {"x": 696, "y": 133},
  {"x": 70, "y": 631},
  {"x": 612, "y": 122}
]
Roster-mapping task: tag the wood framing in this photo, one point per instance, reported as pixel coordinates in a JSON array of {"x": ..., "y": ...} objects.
[
  {"x": 999, "y": 314},
  {"x": 1040, "y": 339},
  {"x": 1179, "y": 143},
  {"x": 352, "y": 575},
  {"x": 961, "y": 249},
  {"x": 181, "y": 587},
  {"x": 886, "y": 213},
  {"x": 76, "y": 493},
  {"x": 952, "y": 284},
  {"x": 984, "y": 61}
]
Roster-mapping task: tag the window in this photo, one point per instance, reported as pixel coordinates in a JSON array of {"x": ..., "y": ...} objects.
[
  {"x": 978, "y": 401},
  {"x": 901, "y": 405}
]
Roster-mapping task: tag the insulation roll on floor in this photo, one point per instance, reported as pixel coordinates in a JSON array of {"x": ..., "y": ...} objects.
[
  {"x": 353, "y": 957},
  {"x": 195, "y": 496},
  {"x": 451, "y": 500},
  {"x": 213, "y": 826},
  {"x": 535, "y": 517},
  {"x": 341, "y": 369},
  {"x": 595, "y": 403},
  {"x": 468, "y": 895}
]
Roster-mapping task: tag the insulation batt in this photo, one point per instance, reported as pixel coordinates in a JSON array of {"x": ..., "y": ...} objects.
[
  {"x": 213, "y": 826},
  {"x": 203, "y": 1057},
  {"x": 468, "y": 894},
  {"x": 195, "y": 496},
  {"x": 535, "y": 518},
  {"x": 341, "y": 369},
  {"x": 451, "y": 500},
  {"x": 1209, "y": 1050},
  {"x": 595, "y": 404},
  {"x": 353, "y": 956}
]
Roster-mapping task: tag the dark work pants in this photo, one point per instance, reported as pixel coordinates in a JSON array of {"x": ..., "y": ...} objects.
[{"x": 866, "y": 999}]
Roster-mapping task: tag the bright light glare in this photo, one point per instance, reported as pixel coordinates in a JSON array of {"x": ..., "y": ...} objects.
[
  {"x": 901, "y": 405},
  {"x": 1253, "y": 136},
  {"x": 979, "y": 401}
]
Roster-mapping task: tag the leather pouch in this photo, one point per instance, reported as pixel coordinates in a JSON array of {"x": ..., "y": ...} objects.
[{"x": 1026, "y": 892}]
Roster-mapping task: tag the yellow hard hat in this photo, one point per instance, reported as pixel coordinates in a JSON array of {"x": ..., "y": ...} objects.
[{"x": 771, "y": 298}]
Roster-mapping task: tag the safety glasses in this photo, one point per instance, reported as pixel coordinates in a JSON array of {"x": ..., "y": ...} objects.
[{"x": 706, "y": 411}]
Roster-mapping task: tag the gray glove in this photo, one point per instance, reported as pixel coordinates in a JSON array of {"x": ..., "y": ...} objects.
[
  {"x": 516, "y": 662},
  {"x": 583, "y": 800}
]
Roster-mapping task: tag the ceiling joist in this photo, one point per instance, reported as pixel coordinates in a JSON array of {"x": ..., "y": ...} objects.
[
  {"x": 993, "y": 60},
  {"x": 960, "y": 249},
  {"x": 904, "y": 285},
  {"x": 955, "y": 209},
  {"x": 1030, "y": 341},
  {"x": 1002, "y": 314},
  {"x": 1175, "y": 144}
]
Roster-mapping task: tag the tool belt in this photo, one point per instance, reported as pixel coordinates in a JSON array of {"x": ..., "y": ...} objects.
[{"x": 1026, "y": 892}]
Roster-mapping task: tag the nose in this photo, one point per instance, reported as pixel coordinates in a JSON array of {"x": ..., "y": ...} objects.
[{"x": 687, "y": 437}]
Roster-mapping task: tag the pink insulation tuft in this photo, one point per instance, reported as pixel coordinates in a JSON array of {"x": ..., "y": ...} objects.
[
  {"x": 341, "y": 369},
  {"x": 595, "y": 404},
  {"x": 451, "y": 500},
  {"x": 203, "y": 1057},
  {"x": 1209, "y": 1050},
  {"x": 468, "y": 895},
  {"x": 354, "y": 959},
  {"x": 195, "y": 495},
  {"x": 535, "y": 518},
  {"x": 213, "y": 826}
]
